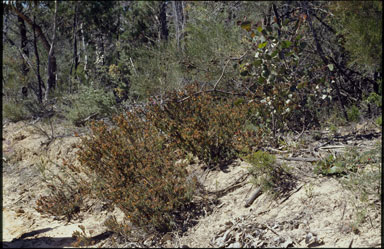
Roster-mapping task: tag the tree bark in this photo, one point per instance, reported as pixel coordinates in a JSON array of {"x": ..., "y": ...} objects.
[
  {"x": 51, "y": 84},
  {"x": 84, "y": 50},
  {"x": 75, "y": 54},
  {"x": 37, "y": 28},
  {"x": 163, "y": 21},
  {"x": 23, "y": 40},
  {"x": 39, "y": 80},
  {"x": 179, "y": 21}
]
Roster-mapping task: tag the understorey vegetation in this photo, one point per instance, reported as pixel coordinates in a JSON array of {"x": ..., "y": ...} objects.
[{"x": 159, "y": 82}]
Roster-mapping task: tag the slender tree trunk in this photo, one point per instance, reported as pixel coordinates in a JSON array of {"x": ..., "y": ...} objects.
[
  {"x": 39, "y": 80},
  {"x": 23, "y": 40},
  {"x": 179, "y": 21},
  {"x": 163, "y": 21},
  {"x": 75, "y": 61},
  {"x": 75, "y": 54},
  {"x": 36, "y": 27},
  {"x": 51, "y": 84},
  {"x": 84, "y": 50}
]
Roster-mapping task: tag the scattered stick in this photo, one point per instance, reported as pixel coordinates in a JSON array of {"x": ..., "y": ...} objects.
[
  {"x": 286, "y": 198},
  {"x": 238, "y": 183},
  {"x": 301, "y": 159},
  {"x": 253, "y": 197},
  {"x": 332, "y": 147}
]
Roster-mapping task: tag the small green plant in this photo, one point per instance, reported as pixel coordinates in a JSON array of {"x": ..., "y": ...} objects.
[
  {"x": 333, "y": 129},
  {"x": 346, "y": 163},
  {"x": 309, "y": 190},
  {"x": 353, "y": 114},
  {"x": 266, "y": 172}
]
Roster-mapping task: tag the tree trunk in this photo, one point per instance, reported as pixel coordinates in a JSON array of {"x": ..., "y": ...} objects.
[
  {"x": 39, "y": 80},
  {"x": 75, "y": 55},
  {"x": 51, "y": 84},
  {"x": 84, "y": 50},
  {"x": 179, "y": 20},
  {"x": 24, "y": 40},
  {"x": 37, "y": 28},
  {"x": 163, "y": 21}
]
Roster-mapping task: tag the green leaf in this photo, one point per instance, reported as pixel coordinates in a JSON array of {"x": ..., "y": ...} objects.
[
  {"x": 260, "y": 29},
  {"x": 262, "y": 45},
  {"x": 274, "y": 53},
  {"x": 286, "y": 44},
  {"x": 261, "y": 79},
  {"x": 330, "y": 66}
]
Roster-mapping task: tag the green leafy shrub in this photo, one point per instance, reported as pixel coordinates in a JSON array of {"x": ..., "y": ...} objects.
[
  {"x": 15, "y": 111},
  {"x": 353, "y": 113},
  {"x": 267, "y": 173},
  {"x": 346, "y": 163},
  {"x": 134, "y": 167},
  {"x": 205, "y": 124},
  {"x": 87, "y": 102}
]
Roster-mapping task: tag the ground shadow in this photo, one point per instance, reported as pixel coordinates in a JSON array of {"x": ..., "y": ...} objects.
[{"x": 47, "y": 242}]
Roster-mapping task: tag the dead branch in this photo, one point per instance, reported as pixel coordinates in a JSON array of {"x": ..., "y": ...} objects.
[
  {"x": 301, "y": 159},
  {"x": 253, "y": 197}
]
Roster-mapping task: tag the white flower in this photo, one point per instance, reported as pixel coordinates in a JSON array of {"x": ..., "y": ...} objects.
[
  {"x": 290, "y": 95},
  {"x": 287, "y": 101}
]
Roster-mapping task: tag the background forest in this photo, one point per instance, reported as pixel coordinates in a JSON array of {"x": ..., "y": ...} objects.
[
  {"x": 80, "y": 59},
  {"x": 170, "y": 80}
]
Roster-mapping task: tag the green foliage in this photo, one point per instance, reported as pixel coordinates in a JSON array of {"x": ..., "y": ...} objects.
[
  {"x": 87, "y": 102},
  {"x": 15, "y": 111},
  {"x": 154, "y": 71},
  {"x": 134, "y": 166},
  {"x": 276, "y": 76},
  {"x": 353, "y": 113},
  {"x": 266, "y": 172},
  {"x": 361, "y": 25},
  {"x": 205, "y": 124},
  {"x": 346, "y": 163}
]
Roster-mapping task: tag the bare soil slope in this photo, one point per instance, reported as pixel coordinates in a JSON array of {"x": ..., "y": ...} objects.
[{"x": 316, "y": 212}]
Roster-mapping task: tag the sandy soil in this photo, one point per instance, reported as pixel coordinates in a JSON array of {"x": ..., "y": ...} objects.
[{"x": 316, "y": 212}]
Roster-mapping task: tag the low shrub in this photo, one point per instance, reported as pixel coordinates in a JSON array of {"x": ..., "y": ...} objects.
[
  {"x": 135, "y": 169},
  {"x": 87, "y": 102},
  {"x": 267, "y": 173},
  {"x": 205, "y": 124},
  {"x": 353, "y": 113},
  {"x": 15, "y": 111}
]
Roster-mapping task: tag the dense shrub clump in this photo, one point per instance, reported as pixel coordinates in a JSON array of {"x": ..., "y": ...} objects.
[
  {"x": 135, "y": 169},
  {"x": 204, "y": 123}
]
